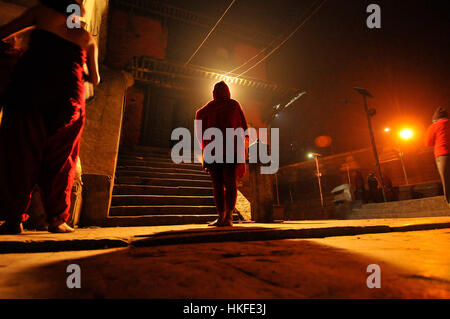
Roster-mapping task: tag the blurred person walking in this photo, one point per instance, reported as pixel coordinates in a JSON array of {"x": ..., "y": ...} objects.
[
  {"x": 360, "y": 190},
  {"x": 372, "y": 184}
]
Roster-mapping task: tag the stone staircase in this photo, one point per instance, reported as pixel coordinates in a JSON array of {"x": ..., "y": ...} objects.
[
  {"x": 424, "y": 207},
  {"x": 150, "y": 189}
]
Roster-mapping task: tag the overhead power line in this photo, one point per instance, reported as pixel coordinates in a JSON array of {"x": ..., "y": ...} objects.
[
  {"x": 211, "y": 31},
  {"x": 266, "y": 48},
  {"x": 302, "y": 23}
]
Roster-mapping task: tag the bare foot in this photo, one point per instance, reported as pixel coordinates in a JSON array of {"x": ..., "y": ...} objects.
[
  {"x": 214, "y": 223},
  {"x": 227, "y": 222},
  {"x": 11, "y": 228},
  {"x": 61, "y": 228},
  {"x": 219, "y": 221}
]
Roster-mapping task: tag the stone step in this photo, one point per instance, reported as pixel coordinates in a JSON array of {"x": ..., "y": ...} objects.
[
  {"x": 423, "y": 207},
  {"x": 151, "y": 189},
  {"x": 166, "y": 158},
  {"x": 143, "y": 149},
  {"x": 412, "y": 205},
  {"x": 166, "y": 164},
  {"x": 144, "y": 155},
  {"x": 165, "y": 175},
  {"x": 381, "y": 215},
  {"x": 161, "y": 190},
  {"x": 138, "y": 200},
  {"x": 161, "y": 169},
  {"x": 161, "y": 210},
  {"x": 135, "y": 180},
  {"x": 123, "y": 221}
]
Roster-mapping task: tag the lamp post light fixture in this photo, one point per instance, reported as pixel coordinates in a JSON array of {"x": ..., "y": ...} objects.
[
  {"x": 371, "y": 112},
  {"x": 319, "y": 174},
  {"x": 405, "y": 134}
]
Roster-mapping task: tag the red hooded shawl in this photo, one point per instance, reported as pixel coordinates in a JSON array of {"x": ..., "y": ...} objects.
[
  {"x": 438, "y": 136},
  {"x": 222, "y": 113}
]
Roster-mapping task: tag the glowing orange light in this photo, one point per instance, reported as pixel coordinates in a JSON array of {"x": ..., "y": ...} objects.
[
  {"x": 406, "y": 134},
  {"x": 323, "y": 141},
  {"x": 387, "y": 129}
]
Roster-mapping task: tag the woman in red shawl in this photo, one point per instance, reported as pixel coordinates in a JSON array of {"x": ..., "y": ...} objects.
[
  {"x": 44, "y": 112},
  {"x": 438, "y": 136},
  {"x": 222, "y": 113}
]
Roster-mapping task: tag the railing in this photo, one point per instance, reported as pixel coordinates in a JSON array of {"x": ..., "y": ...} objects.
[{"x": 300, "y": 178}]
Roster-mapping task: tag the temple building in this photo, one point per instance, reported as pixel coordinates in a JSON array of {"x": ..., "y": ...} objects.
[
  {"x": 147, "y": 90},
  {"x": 153, "y": 40}
]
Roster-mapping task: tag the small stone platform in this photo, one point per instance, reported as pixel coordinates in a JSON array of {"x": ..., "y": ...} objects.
[{"x": 423, "y": 207}]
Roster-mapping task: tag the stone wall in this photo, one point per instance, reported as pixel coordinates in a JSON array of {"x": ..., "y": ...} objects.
[
  {"x": 131, "y": 129},
  {"x": 100, "y": 144},
  {"x": 104, "y": 115},
  {"x": 97, "y": 23},
  {"x": 104, "y": 111},
  {"x": 96, "y": 20},
  {"x": 134, "y": 35}
]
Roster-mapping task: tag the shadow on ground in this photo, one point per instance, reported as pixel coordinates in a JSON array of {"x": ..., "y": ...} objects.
[{"x": 258, "y": 269}]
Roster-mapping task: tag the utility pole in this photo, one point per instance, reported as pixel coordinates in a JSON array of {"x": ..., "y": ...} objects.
[
  {"x": 316, "y": 159},
  {"x": 369, "y": 113},
  {"x": 400, "y": 154}
]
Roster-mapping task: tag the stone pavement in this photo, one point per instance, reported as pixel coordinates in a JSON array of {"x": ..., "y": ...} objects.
[
  {"x": 413, "y": 265},
  {"x": 294, "y": 259},
  {"x": 114, "y": 237}
]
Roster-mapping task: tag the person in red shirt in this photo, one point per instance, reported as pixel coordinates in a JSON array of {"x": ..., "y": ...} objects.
[
  {"x": 222, "y": 113},
  {"x": 438, "y": 136}
]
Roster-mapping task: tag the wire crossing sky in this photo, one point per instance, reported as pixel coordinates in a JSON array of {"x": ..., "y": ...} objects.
[
  {"x": 278, "y": 46},
  {"x": 263, "y": 50},
  {"x": 212, "y": 30}
]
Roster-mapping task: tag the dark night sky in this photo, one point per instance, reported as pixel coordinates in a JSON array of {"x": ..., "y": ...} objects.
[{"x": 405, "y": 64}]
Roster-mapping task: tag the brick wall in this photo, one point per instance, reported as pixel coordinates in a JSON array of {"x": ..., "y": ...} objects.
[
  {"x": 132, "y": 35},
  {"x": 97, "y": 19}
]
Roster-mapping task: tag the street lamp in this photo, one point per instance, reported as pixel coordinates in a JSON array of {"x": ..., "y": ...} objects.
[
  {"x": 400, "y": 154},
  {"x": 316, "y": 159},
  {"x": 371, "y": 112},
  {"x": 405, "y": 134}
]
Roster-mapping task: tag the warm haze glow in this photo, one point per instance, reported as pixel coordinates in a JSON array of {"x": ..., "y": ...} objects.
[{"x": 406, "y": 134}]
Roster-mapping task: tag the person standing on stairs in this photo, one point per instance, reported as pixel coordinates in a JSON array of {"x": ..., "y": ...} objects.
[{"x": 222, "y": 113}]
